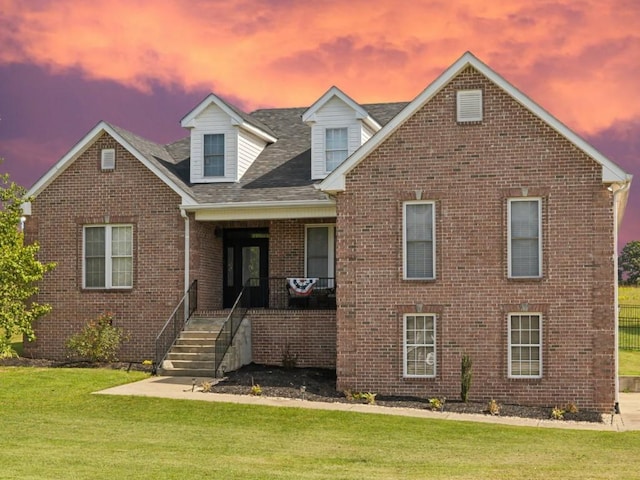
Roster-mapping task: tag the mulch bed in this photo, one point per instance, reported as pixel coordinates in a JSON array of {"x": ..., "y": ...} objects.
[
  {"x": 316, "y": 385},
  {"x": 320, "y": 386}
]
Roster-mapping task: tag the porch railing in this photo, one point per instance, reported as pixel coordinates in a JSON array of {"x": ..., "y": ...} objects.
[
  {"x": 279, "y": 295},
  {"x": 629, "y": 327},
  {"x": 175, "y": 324},
  {"x": 230, "y": 327}
]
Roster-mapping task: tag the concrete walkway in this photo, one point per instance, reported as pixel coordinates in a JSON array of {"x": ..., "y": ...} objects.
[{"x": 182, "y": 388}]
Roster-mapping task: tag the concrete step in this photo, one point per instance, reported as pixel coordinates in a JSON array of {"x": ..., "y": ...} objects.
[
  {"x": 185, "y": 372},
  {"x": 191, "y": 356},
  {"x": 198, "y": 335},
  {"x": 205, "y": 324},
  {"x": 196, "y": 342},
  {"x": 188, "y": 364},
  {"x": 203, "y": 349}
]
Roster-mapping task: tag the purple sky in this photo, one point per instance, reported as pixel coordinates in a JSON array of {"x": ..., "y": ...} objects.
[{"x": 144, "y": 65}]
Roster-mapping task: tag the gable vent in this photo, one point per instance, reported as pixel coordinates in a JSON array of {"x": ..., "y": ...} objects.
[
  {"x": 108, "y": 159},
  {"x": 469, "y": 105}
]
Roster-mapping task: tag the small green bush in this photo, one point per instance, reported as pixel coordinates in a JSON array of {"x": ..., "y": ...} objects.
[{"x": 99, "y": 340}]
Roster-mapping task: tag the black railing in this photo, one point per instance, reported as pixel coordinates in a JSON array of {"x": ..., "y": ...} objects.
[
  {"x": 279, "y": 294},
  {"x": 230, "y": 327},
  {"x": 629, "y": 327},
  {"x": 175, "y": 324}
]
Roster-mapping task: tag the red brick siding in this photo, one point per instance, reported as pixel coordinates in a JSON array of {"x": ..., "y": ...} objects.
[
  {"x": 470, "y": 170},
  {"x": 83, "y": 195},
  {"x": 309, "y": 334}
]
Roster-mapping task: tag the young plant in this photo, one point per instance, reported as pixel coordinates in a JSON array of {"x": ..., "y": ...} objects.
[
  {"x": 571, "y": 408},
  {"x": 289, "y": 360},
  {"x": 557, "y": 413},
  {"x": 465, "y": 377},
  {"x": 493, "y": 407},
  {"x": 99, "y": 340},
  {"x": 256, "y": 390},
  {"x": 436, "y": 403},
  {"x": 206, "y": 387}
]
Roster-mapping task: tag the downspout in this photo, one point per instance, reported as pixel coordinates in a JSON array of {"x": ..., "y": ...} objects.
[
  {"x": 187, "y": 242},
  {"x": 616, "y": 192}
]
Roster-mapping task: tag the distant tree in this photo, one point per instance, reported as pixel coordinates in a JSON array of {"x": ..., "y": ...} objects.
[
  {"x": 629, "y": 264},
  {"x": 20, "y": 270}
]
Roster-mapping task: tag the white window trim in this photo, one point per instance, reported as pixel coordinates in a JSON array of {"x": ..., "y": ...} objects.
[
  {"x": 224, "y": 157},
  {"x": 108, "y": 159},
  {"x": 404, "y": 238},
  {"x": 509, "y": 264},
  {"x": 331, "y": 246},
  {"x": 324, "y": 159},
  {"x": 405, "y": 345},
  {"x": 463, "y": 115},
  {"x": 509, "y": 345},
  {"x": 108, "y": 257}
]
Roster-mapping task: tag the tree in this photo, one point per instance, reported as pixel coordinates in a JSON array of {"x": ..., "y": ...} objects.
[
  {"x": 20, "y": 270},
  {"x": 629, "y": 264}
]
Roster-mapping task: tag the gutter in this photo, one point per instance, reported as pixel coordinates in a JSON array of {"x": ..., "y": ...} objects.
[{"x": 621, "y": 189}]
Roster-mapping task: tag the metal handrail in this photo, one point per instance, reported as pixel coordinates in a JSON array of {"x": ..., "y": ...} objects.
[
  {"x": 230, "y": 327},
  {"x": 175, "y": 324}
]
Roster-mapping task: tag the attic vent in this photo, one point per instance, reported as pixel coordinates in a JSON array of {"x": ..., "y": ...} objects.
[
  {"x": 108, "y": 159},
  {"x": 469, "y": 105}
]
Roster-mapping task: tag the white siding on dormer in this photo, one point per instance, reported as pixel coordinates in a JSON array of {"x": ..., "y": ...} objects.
[
  {"x": 249, "y": 147},
  {"x": 213, "y": 120},
  {"x": 334, "y": 114},
  {"x": 367, "y": 133}
]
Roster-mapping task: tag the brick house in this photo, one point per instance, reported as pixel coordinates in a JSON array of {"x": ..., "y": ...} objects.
[{"x": 468, "y": 221}]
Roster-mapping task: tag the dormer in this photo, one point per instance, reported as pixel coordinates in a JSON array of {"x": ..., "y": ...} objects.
[
  {"x": 338, "y": 127},
  {"x": 224, "y": 141}
]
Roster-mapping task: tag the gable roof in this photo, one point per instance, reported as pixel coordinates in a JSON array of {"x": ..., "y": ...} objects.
[
  {"x": 148, "y": 153},
  {"x": 335, "y": 181},
  {"x": 238, "y": 118},
  {"x": 361, "y": 112}
]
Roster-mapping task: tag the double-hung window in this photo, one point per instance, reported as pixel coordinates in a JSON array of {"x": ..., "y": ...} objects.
[
  {"x": 419, "y": 241},
  {"x": 525, "y": 345},
  {"x": 214, "y": 155},
  {"x": 336, "y": 147},
  {"x": 525, "y": 238},
  {"x": 320, "y": 253},
  {"x": 108, "y": 256},
  {"x": 419, "y": 345}
]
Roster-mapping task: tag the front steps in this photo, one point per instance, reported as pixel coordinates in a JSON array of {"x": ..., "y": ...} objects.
[{"x": 193, "y": 354}]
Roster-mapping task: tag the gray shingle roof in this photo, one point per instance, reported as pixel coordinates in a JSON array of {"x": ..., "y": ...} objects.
[{"x": 281, "y": 172}]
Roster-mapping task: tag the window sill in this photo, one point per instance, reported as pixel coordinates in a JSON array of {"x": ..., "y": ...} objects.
[{"x": 106, "y": 290}]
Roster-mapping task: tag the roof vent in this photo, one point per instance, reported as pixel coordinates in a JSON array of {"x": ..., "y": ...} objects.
[
  {"x": 469, "y": 106},
  {"x": 108, "y": 161}
]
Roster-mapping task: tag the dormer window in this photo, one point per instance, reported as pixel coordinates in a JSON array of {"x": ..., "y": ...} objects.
[
  {"x": 214, "y": 155},
  {"x": 336, "y": 147}
]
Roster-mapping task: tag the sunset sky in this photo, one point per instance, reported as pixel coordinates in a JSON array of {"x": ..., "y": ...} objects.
[{"x": 143, "y": 64}]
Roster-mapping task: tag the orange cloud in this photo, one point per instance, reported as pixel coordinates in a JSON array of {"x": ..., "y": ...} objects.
[{"x": 581, "y": 61}]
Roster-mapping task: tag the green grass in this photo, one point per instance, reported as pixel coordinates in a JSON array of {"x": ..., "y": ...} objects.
[
  {"x": 54, "y": 428},
  {"x": 629, "y": 295},
  {"x": 629, "y": 362}
]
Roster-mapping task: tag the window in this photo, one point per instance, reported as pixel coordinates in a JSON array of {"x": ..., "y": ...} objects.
[
  {"x": 108, "y": 256},
  {"x": 108, "y": 159},
  {"x": 336, "y": 149},
  {"x": 525, "y": 238},
  {"x": 320, "y": 253},
  {"x": 419, "y": 345},
  {"x": 469, "y": 105},
  {"x": 525, "y": 345},
  {"x": 214, "y": 155},
  {"x": 419, "y": 244}
]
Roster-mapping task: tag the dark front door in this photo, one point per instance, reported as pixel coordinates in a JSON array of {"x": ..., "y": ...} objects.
[{"x": 246, "y": 263}]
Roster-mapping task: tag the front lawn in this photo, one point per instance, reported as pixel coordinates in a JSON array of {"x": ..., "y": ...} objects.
[
  {"x": 54, "y": 428},
  {"x": 629, "y": 295}
]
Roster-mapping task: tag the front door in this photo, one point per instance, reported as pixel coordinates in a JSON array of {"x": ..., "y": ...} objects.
[{"x": 246, "y": 263}]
